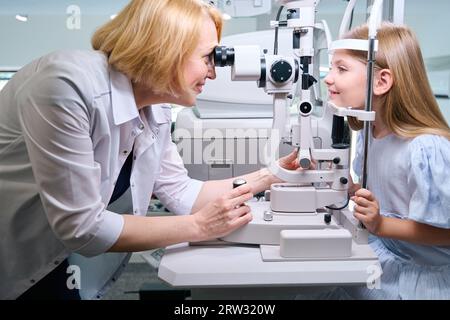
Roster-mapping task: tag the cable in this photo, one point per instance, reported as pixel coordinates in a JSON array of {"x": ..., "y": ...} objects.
[
  {"x": 275, "y": 43},
  {"x": 346, "y": 204},
  {"x": 351, "y": 20}
]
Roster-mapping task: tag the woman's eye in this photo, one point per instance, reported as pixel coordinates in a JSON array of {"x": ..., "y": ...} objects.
[{"x": 209, "y": 60}]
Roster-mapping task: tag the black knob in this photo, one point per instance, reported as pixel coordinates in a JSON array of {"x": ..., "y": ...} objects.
[
  {"x": 343, "y": 180},
  {"x": 336, "y": 160},
  {"x": 305, "y": 108},
  {"x": 327, "y": 218},
  {"x": 292, "y": 14},
  {"x": 281, "y": 71},
  {"x": 238, "y": 182}
]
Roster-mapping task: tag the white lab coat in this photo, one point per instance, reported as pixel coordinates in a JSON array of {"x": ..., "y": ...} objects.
[{"x": 67, "y": 124}]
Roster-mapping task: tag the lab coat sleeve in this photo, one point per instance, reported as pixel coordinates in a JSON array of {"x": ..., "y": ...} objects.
[
  {"x": 55, "y": 119},
  {"x": 174, "y": 188}
]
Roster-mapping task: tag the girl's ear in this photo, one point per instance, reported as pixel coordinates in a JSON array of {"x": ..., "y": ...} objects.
[{"x": 382, "y": 82}]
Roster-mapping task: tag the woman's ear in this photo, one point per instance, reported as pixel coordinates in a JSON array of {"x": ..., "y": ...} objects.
[{"x": 382, "y": 82}]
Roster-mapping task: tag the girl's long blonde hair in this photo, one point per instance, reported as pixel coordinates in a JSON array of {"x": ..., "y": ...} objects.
[
  {"x": 409, "y": 107},
  {"x": 150, "y": 40}
]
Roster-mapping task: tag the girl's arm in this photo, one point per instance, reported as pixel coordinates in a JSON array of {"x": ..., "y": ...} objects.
[
  {"x": 412, "y": 231},
  {"x": 367, "y": 210}
]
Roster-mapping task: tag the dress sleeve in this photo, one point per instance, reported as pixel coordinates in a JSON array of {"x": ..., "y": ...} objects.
[{"x": 429, "y": 180}]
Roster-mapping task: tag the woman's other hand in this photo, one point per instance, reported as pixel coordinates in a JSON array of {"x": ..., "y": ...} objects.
[
  {"x": 290, "y": 162},
  {"x": 224, "y": 215}
]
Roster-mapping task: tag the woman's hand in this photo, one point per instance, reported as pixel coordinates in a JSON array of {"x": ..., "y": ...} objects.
[
  {"x": 290, "y": 162},
  {"x": 367, "y": 210},
  {"x": 224, "y": 215}
]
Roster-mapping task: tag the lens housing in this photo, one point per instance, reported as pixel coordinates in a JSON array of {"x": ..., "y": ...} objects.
[{"x": 223, "y": 56}]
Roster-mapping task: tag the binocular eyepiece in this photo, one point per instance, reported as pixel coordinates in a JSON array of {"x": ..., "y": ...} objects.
[
  {"x": 223, "y": 56},
  {"x": 249, "y": 64}
]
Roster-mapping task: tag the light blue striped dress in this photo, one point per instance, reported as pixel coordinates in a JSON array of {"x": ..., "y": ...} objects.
[{"x": 411, "y": 180}]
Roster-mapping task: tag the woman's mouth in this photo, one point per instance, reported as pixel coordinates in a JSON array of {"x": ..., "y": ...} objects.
[{"x": 199, "y": 88}]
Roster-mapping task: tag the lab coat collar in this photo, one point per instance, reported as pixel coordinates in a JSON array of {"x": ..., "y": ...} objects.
[{"x": 124, "y": 106}]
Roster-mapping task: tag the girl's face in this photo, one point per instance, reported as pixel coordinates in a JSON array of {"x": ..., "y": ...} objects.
[
  {"x": 346, "y": 81},
  {"x": 200, "y": 65}
]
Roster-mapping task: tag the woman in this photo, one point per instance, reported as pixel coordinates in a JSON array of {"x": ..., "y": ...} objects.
[{"x": 77, "y": 128}]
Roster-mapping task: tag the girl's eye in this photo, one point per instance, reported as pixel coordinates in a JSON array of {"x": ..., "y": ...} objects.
[{"x": 342, "y": 69}]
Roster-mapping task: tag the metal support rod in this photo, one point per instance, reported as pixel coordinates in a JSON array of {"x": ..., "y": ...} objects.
[{"x": 367, "y": 124}]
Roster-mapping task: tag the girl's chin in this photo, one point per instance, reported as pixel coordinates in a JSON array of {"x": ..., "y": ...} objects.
[
  {"x": 341, "y": 104},
  {"x": 337, "y": 103}
]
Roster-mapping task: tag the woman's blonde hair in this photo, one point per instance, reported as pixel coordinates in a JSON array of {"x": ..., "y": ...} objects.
[
  {"x": 150, "y": 40},
  {"x": 409, "y": 107}
]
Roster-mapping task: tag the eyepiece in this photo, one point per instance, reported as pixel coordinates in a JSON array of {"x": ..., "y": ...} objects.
[{"x": 223, "y": 56}]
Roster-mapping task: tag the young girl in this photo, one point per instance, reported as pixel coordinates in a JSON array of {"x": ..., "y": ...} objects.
[{"x": 407, "y": 205}]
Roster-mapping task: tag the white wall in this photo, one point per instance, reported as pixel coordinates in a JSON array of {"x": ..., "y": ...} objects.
[
  {"x": 46, "y": 29},
  {"x": 42, "y": 34}
]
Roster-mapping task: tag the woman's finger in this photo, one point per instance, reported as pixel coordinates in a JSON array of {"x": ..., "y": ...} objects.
[
  {"x": 236, "y": 192},
  {"x": 241, "y": 221},
  {"x": 241, "y": 199},
  {"x": 240, "y": 211},
  {"x": 288, "y": 162}
]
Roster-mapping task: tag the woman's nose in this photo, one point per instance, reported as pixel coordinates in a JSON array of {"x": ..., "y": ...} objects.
[{"x": 211, "y": 73}]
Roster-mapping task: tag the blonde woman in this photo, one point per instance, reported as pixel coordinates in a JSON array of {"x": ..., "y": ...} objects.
[
  {"x": 77, "y": 129},
  {"x": 407, "y": 206}
]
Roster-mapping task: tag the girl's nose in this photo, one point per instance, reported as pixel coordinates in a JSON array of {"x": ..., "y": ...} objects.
[{"x": 328, "y": 80}]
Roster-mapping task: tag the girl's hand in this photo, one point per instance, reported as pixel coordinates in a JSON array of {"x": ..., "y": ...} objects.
[
  {"x": 224, "y": 215},
  {"x": 353, "y": 187},
  {"x": 367, "y": 210}
]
